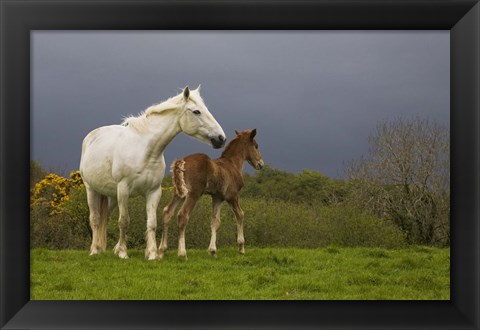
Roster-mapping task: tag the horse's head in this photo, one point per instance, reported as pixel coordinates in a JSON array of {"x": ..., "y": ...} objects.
[
  {"x": 252, "y": 153},
  {"x": 198, "y": 122}
]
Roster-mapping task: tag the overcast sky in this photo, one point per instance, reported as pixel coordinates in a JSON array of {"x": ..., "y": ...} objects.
[{"x": 314, "y": 97}]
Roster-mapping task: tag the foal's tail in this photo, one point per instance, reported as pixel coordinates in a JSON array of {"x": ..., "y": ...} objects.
[
  {"x": 102, "y": 224},
  {"x": 178, "y": 177}
]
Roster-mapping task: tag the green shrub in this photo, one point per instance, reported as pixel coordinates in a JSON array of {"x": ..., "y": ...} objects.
[
  {"x": 284, "y": 224},
  {"x": 37, "y": 173},
  {"x": 269, "y": 221},
  {"x": 350, "y": 227},
  {"x": 308, "y": 186},
  {"x": 56, "y": 231}
]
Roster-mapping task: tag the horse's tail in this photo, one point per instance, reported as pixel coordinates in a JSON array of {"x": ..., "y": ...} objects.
[
  {"x": 178, "y": 177},
  {"x": 102, "y": 225}
]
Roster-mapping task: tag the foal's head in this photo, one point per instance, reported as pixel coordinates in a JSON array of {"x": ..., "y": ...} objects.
[{"x": 250, "y": 146}]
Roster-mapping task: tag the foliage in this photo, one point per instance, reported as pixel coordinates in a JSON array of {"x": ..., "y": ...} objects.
[
  {"x": 54, "y": 190},
  {"x": 57, "y": 230},
  {"x": 267, "y": 223},
  {"x": 331, "y": 273},
  {"x": 308, "y": 186},
  {"x": 57, "y": 215},
  {"x": 406, "y": 178},
  {"x": 37, "y": 173}
]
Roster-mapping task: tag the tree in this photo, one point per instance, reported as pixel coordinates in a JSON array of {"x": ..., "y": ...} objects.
[{"x": 406, "y": 177}]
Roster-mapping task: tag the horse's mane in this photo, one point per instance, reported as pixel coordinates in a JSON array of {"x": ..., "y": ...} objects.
[{"x": 139, "y": 122}]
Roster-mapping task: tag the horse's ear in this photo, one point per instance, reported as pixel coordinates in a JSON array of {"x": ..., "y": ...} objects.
[
  {"x": 199, "y": 87},
  {"x": 237, "y": 132},
  {"x": 186, "y": 93},
  {"x": 253, "y": 133}
]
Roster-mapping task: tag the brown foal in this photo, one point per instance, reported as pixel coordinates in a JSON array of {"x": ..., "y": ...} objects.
[{"x": 221, "y": 178}]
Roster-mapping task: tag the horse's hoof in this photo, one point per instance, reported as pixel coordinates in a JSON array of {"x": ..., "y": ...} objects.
[
  {"x": 95, "y": 250},
  {"x": 123, "y": 255},
  {"x": 182, "y": 257},
  {"x": 151, "y": 256},
  {"x": 213, "y": 253}
]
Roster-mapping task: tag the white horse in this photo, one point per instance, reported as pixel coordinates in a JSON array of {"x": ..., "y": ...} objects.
[{"x": 120, "y": 161}]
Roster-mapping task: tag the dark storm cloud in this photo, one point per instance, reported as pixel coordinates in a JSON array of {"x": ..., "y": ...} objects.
[{"x": 313, "y": 96}]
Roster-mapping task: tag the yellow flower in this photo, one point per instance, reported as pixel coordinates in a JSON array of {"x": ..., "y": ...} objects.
[{"x": 54, "y": 190}]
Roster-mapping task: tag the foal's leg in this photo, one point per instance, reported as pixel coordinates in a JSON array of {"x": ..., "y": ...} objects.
[
  {"x": 123, "y": 220},
  {"x": 239, "y": 215},
  {"x": 93, "y": 199},
  {"x": 183, "y": 216},
  {"x": 168, "y": 212},
  {"x": 152, "y": 203},
  {"x": 216, "y": 206}
]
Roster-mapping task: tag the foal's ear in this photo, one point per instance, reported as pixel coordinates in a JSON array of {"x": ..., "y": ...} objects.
[
  {"x": 199, "y": 87},
  {"x": 186, "y": 93},
  {"x": 237, "y": 132},
  {"x": 253, "y": 133}
]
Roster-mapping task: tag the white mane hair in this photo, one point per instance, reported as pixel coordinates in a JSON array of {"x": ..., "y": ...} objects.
[{"x": 139, "y": 122}]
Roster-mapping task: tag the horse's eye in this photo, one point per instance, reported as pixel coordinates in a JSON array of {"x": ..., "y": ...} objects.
[{"x": 197, "y": 112}]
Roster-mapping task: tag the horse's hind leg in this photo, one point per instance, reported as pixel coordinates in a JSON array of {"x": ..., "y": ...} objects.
[
  {"x": 107, "y": 205},
  {"x": 216, "y": 205},
  {"x": 183, "y": 216},
  {"x": 102, "y": 223},
  {"x": 94, "y": 199},
  {"x": 168, "y": 212},
  {"x": 239, "y": 215},
  {"x": 123, "y": 220}
]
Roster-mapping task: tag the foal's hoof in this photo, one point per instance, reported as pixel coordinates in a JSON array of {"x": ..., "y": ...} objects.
[
  {"x": 182, "y": 257},
  {"x": 213, "y": 253}
]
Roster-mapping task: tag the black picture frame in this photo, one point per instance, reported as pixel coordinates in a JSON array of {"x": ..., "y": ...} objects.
[{"x": 19, "y": 17}]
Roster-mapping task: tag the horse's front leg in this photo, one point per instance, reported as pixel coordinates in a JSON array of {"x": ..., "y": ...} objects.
[
  {"x": 123, "y": 219},
  {"x": 216, "y": 206},
  {"x": 153, "y": 198},
  {"x": 239, "y": 215},
  {"x": 93, "y": 200}
]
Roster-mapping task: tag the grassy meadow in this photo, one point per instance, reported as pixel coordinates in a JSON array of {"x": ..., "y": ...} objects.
[{"x": 330, "y": 273}]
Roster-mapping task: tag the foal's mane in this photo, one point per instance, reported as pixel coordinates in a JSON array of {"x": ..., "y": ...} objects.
[
  {"x": 233, "y": 144},
  {"x": 139, "y": 122}
]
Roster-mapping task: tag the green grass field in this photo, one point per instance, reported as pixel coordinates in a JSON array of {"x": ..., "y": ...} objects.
[{"x": 331, "y": 273}]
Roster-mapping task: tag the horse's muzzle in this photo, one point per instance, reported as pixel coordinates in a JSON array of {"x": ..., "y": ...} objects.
[
  {"x": 260, "y": 165},
  {"x": 218, "y": 142}
]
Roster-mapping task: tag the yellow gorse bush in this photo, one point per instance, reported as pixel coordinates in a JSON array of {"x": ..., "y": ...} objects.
[{"x": 54, "y": 190}]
